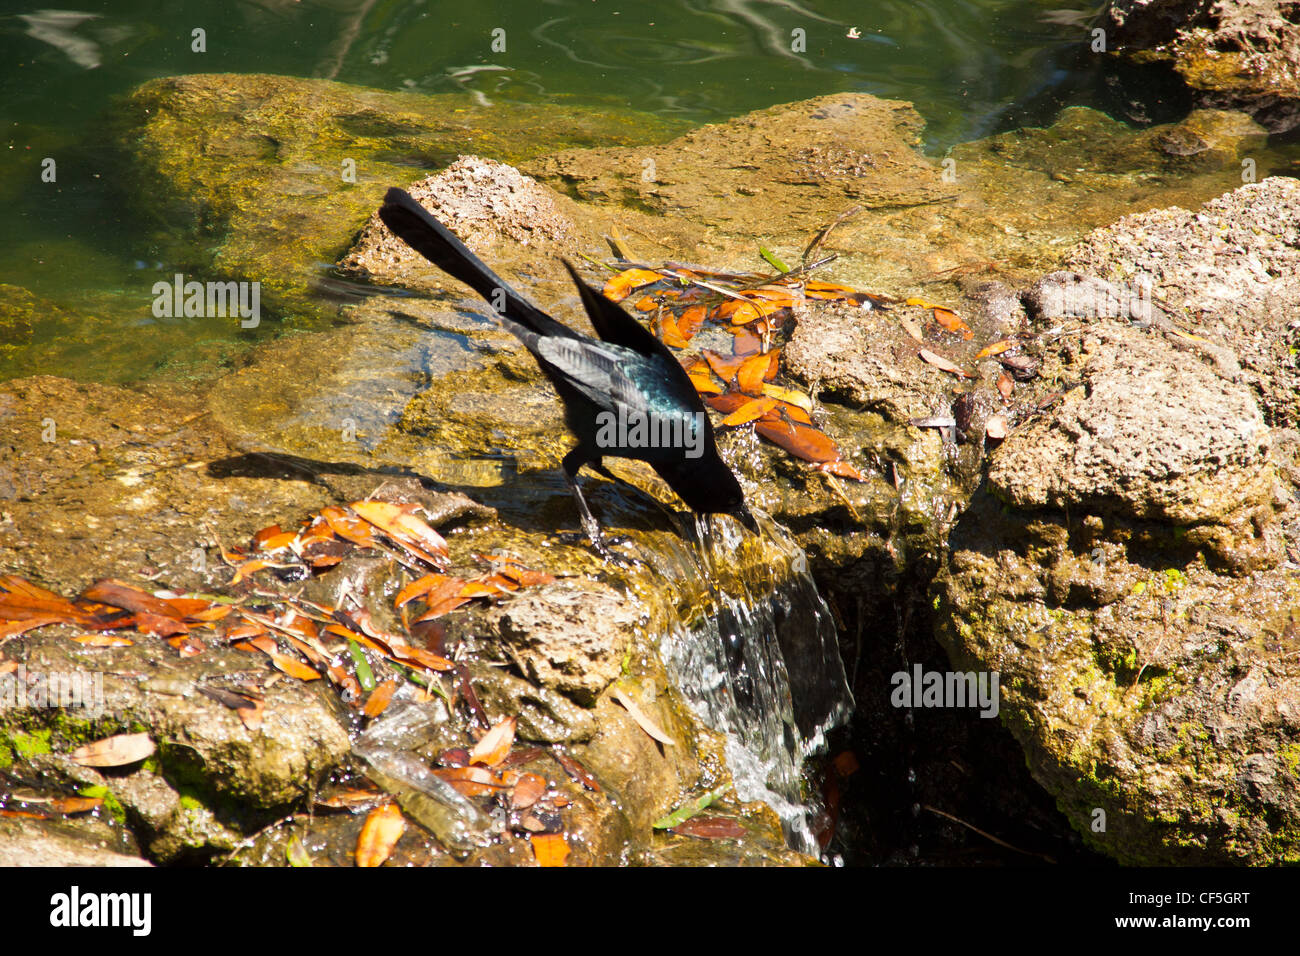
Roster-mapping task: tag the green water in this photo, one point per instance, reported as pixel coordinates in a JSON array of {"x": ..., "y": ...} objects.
[{"x": 970, "y": 68}]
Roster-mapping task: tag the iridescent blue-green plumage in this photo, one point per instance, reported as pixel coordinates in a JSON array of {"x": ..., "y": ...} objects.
[{"x": 628, "y": 372}]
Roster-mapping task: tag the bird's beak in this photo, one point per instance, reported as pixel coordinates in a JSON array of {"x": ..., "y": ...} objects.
[{"x": 742, "y": 514}]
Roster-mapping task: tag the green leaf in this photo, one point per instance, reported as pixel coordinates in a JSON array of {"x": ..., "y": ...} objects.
[
  {"x": 365, "y": 677},
  {"x": 689, "y": 809},
  {"x": 296, "y": 853},
  {"x": 772, "y": 259}
]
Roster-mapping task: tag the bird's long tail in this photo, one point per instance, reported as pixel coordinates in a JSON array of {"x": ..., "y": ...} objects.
[{"x": 426, "y": 235}]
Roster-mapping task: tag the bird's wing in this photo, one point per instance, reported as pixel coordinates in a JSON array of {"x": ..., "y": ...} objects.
[{"x": 594, "y": 369}]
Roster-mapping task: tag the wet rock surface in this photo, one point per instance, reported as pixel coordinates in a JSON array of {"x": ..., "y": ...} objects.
[
  {"x": 1131, "y": 567},
  {"x": 1226, "y": 272},
  {"x": 1126, "y": 556},
  {"x": 231, "y": 148},
  {"x": 1241, "y": 54}
]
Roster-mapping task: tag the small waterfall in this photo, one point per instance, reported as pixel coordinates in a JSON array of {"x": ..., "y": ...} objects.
[{"x": 757, "y": 659}]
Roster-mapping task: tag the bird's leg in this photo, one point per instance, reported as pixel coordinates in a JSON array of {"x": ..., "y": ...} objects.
[{"x": 573, "y": 461}]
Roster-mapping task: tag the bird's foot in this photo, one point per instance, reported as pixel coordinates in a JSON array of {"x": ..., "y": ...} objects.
[{"x": 600, "y": 546}]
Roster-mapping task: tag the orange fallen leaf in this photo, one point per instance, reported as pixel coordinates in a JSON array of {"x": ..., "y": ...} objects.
[
  {"x": 379, "y": 698},
  {"x": 951, "y": 321},
  {"x": 384, "y": 826},
  {"x": 802, "y": 441},
  {"x": 705, "y": 384},
  {"x": 551, "y": 849},
  {"x": 444, "y": 606},
  {"x": 14, "y": 628},
  {"x": 251, "y": 716},
  {"x": 1006, "y": 385},
  {"x": 996, "y": 348},
  {"x": 283, "y": 662},
  {"x": 473, "y": 589},
  {"x": 752, "y": 409},
  {"x": 669, "y": 333},
  {"x": 843, "y": 469},
  {"x": 103, "y": 640},
  {"x": 473, "y": 781},
  {"x": 788, "y": 395},
  {"x": 619, "y": 287},
  {"x": 249, "y": 568},
  {"x": 689, "y": 322},
  {"x": 753, "y": 372},
  {"x": 527, "y": 577},
  {"x": 115, "y": 751},
  {"x": 400, "y": 523},
  {"x": 349, "y": 527},
  {"x": 576, "y": 771},
  {"x": 724, "y": 366},
  {"x": 352, "y": 799},
  {"x": 70, "y": 805},
  {"x": 418, "y": 588}
]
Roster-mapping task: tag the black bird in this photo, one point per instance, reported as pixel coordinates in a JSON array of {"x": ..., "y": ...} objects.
[{"x": 609, "y": 387}]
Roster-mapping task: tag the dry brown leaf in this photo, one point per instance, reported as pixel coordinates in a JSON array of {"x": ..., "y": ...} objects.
[
  {"x": 115, "y": 751},
  {"x": 1006, "y": 385},
  {"x": 710, "y": 828},
  {"x": 943, "y": 364},
  {"x": 495, "y": 744},
  {"x": 251, "y": 716},
  {"x": 527, "y": 791},
  {"x": 576, "y": 771},
  {"x": 643, "y": 720}
]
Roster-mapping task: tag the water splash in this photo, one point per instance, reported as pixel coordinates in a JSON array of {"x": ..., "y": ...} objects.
[{"x": 757, "y": 660}]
